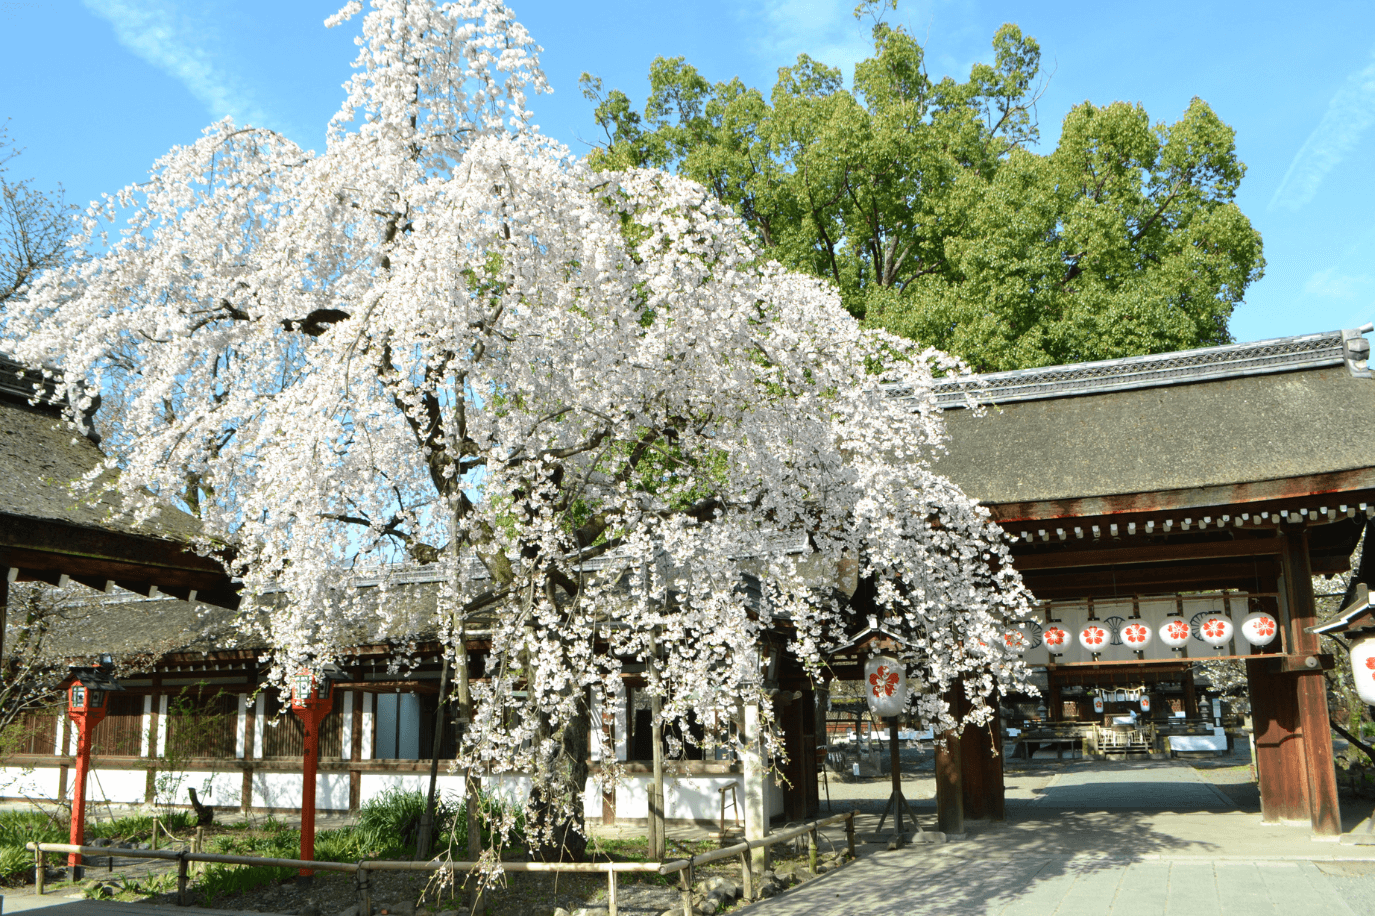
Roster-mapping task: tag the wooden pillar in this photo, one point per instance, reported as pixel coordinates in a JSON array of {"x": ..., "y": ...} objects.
[
  {"x": 1055, "y": 706},
  {"x": 981, "y": 768},
  {"x": 1186, "y": 681},
  {"x": 1280, "y": 766},
  {"x": 949, "y": 775},
  {"x": 1309, "y": 687}
]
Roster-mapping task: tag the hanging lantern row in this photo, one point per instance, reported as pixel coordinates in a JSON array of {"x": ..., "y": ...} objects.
[
  {"x": 1215, "y": 629},
  {"x": 1136, "y": 695}
]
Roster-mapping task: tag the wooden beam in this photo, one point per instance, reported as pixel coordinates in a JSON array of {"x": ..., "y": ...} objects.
[
  {"x": 1051, "y": 584},
  {"x": 1280, "y": 765},
  {"x": 1357, "y": 486},
  {"x": 1309, "y": 689},
  {"x": 1067, "y": 558}
]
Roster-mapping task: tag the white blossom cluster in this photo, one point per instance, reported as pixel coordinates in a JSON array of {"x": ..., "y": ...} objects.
[{"x": 446, "y": 337}]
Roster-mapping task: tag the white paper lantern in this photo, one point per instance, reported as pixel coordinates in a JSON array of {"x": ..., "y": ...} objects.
[
  {"x": 1145, "y": 703},
  {"x": 1363, "y": 667},
  {"x": 1097, "y": 704},
  {"x": 1216, "y": 630},
  {"x": 1260, "y": 629},
  {"x": 1175, "y": 632},
  {"x": 1056, "y": 638},
  {"x": 1093, "y": 638},
  {"x": 886, "y": 681},
  {"x": 1137, "y": 635}
]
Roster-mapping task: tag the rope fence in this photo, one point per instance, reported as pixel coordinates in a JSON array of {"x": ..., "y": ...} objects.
[{"x": 363, "y": 869}]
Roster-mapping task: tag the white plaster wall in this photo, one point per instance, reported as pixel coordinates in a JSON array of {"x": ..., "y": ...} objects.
[
  {"x": 773, "y": 797},
  {"x": 632, "y": 796},
  {"x": 26, "y": 782},
  {"x": 119, "y": 787},
  {"x": 514, "y": 788},
  {"x": 699, "y": 798},
  {"x": 685, "y": 797},
  {"x": 448, "y": 785},
  {"x": 283, "y": 790}
]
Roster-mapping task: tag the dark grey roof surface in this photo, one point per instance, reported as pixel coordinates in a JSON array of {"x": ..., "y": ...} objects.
[
  {"x": 1219, "y": 429},
  {"x": 41, "y": 454},
  {"x": 126, "y": 625}
]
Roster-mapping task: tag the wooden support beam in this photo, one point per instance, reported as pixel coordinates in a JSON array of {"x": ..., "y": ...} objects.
[
  {"x": 1352, "y": 487},
  {"x": 1069, "y": 558},
  {"x": 1078, "y": 583},
  {"x": 1280, "y": 765},
  {"x": 981, "y": 770},
  {"x": 1309, "y": 688},
  {"x": 949, "y": 774}
]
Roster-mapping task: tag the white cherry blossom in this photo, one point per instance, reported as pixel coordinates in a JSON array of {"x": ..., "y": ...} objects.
[{"x": 447, "y": 342}]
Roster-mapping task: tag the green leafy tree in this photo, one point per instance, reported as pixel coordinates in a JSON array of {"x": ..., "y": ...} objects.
[{"x": 924, "y": 202}]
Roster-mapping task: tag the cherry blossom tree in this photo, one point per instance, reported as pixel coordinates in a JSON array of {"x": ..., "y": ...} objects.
[{"x": 583, "y": 396}]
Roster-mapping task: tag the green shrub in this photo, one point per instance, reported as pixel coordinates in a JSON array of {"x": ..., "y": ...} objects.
[
  {"x": 389, "y": 824},
  {"x": 15, "y": 861},
  {"x": 20, "y": 827}
]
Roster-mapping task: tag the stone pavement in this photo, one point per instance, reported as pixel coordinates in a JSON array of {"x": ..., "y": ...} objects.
[
  {"x": 1117, "y": 839},
  {"x": 55, "y": 904},
  {"x": 1133, "y": 785}
]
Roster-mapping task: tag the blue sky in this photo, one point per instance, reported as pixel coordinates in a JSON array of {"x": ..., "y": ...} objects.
[{"x": 96, "y": 90}]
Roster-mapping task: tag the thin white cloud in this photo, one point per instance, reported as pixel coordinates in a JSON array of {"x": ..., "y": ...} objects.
[
  {"x": 828, "y": 31},
  {"x": 1332, "y": 284},
  {"x": 167, "y": 37},
  {"x": 824, "y": 29},
  {"x": 1349, "y": 115}
]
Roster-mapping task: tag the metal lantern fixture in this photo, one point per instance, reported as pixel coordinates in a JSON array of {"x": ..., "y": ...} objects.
[{"x": 86, "y": 688}]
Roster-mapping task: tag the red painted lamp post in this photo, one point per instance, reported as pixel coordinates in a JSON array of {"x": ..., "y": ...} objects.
[
  {"x": 311, "y": 700},
  {"x": 86, "y": 689}
]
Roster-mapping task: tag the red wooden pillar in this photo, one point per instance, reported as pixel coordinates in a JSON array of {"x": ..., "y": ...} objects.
[
  {"x": 85, "y": 717},
  {"x": 1309, "y": 688},
  {"x": 307, "y": 703}
]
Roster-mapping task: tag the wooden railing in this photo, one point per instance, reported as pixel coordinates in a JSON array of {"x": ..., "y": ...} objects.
[{"x": 364, "y": 868}]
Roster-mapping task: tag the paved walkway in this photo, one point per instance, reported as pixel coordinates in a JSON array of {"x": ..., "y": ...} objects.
[
  {"x": 57, "y": 905},
  {"x": 1116, "y": 839},
  {"x": 1145, "y": 785}
]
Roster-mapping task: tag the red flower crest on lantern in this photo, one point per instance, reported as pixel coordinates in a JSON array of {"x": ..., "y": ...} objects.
[
  {"x": 1214, "y": 627},
  {"x": 1135, "y": 633},
  {"x": 1055, "y": 637},
  {"x": 1264, "y": 627},
  {"x": 1094, "y": 636},
  {"x": 1178, "y": 629},
  {"x": 883, "y": 681}
]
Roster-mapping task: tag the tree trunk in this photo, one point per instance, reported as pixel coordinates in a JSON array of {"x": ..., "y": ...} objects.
[{"x": 559, "y": 831}]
